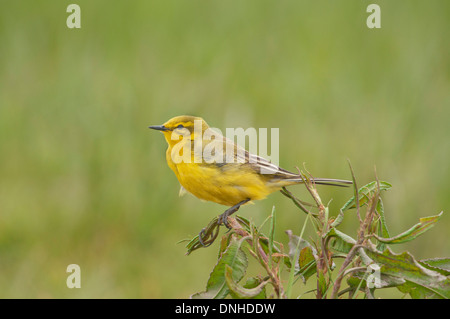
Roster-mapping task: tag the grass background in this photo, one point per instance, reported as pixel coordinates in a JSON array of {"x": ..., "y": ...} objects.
[{"x": 82, "y": 179}]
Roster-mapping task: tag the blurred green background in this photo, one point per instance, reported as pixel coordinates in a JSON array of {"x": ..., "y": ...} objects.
[{"x": 83, "y": 180}]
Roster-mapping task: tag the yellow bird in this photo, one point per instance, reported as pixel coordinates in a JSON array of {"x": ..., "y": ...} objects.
[{"x": 232, "y": 177}]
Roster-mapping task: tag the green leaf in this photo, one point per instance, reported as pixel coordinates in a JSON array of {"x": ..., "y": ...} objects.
[
  {"x": 364, "y": 193},
  {"x": 307, "y": 254},
  {"x": 296, "y": 247},
  {"x": 224, "y": 242},
  {"x": 233, "y": 257},
  {"x": 306, "y": 257},
  {"x": 412, "y": 277},
  {"x": 424, "y": 224},
  {"x": 306, "y": 263},
  {"x": 418, "y": 292},
  {"x": 253, "y": 288},
  {"x": 441, "y": 265},
  {"x": 384, "y": 281},
  {"x": 382, "y": 227},
  {"x": 341, "y": 242}
]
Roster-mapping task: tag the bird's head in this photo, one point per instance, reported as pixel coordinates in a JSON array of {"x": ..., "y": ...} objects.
[{"x": 181, "y": 126}]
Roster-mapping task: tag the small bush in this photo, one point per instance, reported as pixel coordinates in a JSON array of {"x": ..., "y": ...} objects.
[{"x": 368, "y": 261}]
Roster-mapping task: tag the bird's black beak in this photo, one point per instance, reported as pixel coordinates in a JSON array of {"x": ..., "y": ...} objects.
[{"x": 159, "y": 128}]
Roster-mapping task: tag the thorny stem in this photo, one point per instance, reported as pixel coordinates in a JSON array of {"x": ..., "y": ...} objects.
[
  {"x": 322, "y": 262},
  {"x": 309, "y": 183},
  {"x": 348, "y": 259},
  {"x": 364, "y": 226},
  {"x": 260, "y": 255}
]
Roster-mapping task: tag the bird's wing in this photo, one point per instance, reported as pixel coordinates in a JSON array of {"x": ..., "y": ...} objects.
[
  {"x": 259, "y": 164},
  {"x": 227, "y": 155}
]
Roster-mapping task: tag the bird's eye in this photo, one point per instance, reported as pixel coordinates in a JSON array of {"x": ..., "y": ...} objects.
[{"x": 180, "y": 126}]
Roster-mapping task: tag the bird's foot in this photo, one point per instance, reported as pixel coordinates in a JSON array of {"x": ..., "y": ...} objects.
[{"x": 208, "y": 235}]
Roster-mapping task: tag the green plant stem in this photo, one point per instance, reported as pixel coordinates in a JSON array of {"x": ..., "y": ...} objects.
[{"x": 296, "y": 255}]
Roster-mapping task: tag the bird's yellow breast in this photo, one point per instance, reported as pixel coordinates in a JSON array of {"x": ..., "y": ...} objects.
[{"x": 227, "y": 185}]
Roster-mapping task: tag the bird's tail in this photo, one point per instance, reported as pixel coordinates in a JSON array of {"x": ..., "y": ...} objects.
[
  {"x": 332, "y": 182},
  {"x": 324, "y": 181}
]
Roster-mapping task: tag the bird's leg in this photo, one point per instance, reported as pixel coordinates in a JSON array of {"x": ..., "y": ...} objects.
[
  {"x": 208, "y": 235},
  {"x": 223, "y": 219}
]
